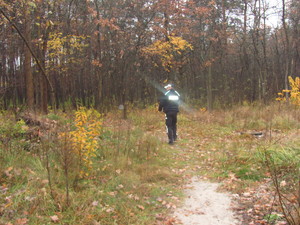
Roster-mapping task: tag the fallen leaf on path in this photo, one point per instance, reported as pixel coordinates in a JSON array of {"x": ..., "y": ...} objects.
[
  {"x": 54, "y": 218},
  {"x": 21, "y": 221},
  {"x": 283, "y": 183},
  {"x": 141, "y": 207},
  {"x": 95, "y": 203}
]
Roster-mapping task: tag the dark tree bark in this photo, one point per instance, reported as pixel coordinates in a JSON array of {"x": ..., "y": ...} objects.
[{"x": 27, "y": 61}]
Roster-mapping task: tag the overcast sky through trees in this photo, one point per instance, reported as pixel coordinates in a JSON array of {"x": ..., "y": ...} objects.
[{"x": 274, "y": 18}]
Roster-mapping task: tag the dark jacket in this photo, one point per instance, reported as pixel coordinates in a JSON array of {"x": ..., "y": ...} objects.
[{"x": 169, "y": 102}]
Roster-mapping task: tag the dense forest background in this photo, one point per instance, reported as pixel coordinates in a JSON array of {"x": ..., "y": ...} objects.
[{"x": 96, "y": 52}]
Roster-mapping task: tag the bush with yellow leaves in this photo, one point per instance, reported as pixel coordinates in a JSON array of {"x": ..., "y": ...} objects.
[
  {"x": 83, "y": 139},
  {"x": 294, "y": 93}
]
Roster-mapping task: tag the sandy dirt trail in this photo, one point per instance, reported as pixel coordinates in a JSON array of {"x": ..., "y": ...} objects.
[{"x": 204, "y": 205}]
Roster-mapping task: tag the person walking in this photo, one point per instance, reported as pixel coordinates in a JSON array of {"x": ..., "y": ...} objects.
[{"x": 169, "y": 104}]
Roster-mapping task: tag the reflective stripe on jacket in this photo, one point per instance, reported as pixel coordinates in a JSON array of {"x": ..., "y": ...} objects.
[{"x": 169, "y": 102}]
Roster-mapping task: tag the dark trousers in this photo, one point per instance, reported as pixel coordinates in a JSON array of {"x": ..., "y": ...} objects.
[{"x": 171, "y": 124}]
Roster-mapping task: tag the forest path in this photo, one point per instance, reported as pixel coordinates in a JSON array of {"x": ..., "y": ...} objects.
[
  {"x": 205, "y": 205},
  {"x": 209, "y": 158}
]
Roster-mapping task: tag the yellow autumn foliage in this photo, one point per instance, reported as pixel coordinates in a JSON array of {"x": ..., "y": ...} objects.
[
  {"x": 294, "y": 92},
  {"x": 166, "y": 50},
  {"x": 84, "y": 138},
  {"x": 61, "y": 48}
]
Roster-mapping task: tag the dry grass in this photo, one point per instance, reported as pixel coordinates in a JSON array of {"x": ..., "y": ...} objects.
[{"x": 134, "y": 170}]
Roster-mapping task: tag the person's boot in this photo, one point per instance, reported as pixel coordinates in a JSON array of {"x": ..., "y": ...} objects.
[
  {"x": 170, "y": 136},
  {"x": 175, "y": 133}
]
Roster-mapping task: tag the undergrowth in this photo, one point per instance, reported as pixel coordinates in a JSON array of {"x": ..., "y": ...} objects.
[{"x": 106, "y": 170}]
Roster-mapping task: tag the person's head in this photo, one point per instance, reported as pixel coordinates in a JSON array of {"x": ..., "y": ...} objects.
[{"x": 169, "y": 86}]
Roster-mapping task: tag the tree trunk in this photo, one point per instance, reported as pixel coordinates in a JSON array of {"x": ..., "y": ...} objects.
[
  {"x": 43, "y": 82},
  {"x": 27, "y": 63},
  {"x": 209, "y": 83},
  {"x": 287, "y": 50}
]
